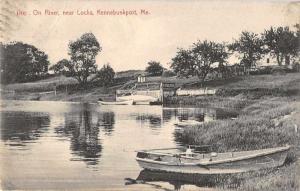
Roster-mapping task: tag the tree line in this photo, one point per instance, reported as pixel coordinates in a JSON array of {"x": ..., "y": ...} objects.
[
  {"x": 22, "y": 62},
  {"x": 281, "y": 43}
]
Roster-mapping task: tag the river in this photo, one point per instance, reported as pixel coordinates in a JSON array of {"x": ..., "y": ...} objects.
[{"x": 63, "y": 145}]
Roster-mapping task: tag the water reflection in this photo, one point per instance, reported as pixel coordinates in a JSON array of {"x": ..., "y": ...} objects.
[
  {"x": 178, "y": 180},
  {"x": 153, "y": 120},
  {"x": 197, "y": 114},
  {"x": 167, "y": 115},
  {"x": 107, "y": 121},
  {"x": 18, "y": 128},
  {"x": 101, "y": 136},
  {"x": 83, "y": 129}
]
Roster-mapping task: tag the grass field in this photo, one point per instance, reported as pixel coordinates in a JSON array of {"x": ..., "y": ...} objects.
[
  {"x": 41, "y": 85},
  {"x": 266, "y": 81},
  {"x": 251, "y": 81}
]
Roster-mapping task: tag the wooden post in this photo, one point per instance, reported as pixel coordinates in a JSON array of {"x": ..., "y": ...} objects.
[
  {"x": 162, "y": 93},
  {"x": 55, "y": 90}
]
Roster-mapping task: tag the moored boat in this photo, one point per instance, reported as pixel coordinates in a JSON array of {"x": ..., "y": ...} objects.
[
  {"x": 191, "y": 161},
  {"x": 138, "y": 99},
  {"x": 127, "y": 102}
]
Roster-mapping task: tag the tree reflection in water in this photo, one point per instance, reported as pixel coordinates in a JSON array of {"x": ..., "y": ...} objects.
[
  {"x": 21, "y": 127},
  {"x": 83, "y": 129},
  {"x": 107, "y": 121},
  {"x": 153, "y": 120},
  {"x": 153, "y": 178},
  {"x": 167, "y": 115}
]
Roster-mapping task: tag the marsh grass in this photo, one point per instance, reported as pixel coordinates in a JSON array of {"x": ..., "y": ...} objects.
[
  {"x": 208, "y": 101},
  {"x": 266, "y": 123},
  {"x": 255, "y": 128},
  {"x": 285, "y": 178}
]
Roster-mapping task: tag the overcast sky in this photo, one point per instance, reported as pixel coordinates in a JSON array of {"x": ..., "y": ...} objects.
[{"x": 130, "y": 42}]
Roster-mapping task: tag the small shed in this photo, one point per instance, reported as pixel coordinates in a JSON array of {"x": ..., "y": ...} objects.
[{"x": 141, "y": 78}]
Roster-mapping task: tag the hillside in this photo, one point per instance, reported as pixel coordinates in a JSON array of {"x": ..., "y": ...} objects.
[
  {"x": 49, "y": 83},
  {"x": 44, "y": 89}
]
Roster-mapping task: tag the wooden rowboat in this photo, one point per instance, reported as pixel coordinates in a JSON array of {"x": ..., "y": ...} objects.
[
  {"x": 175, "y": 160},
  {"x": 127, "y": 102}
]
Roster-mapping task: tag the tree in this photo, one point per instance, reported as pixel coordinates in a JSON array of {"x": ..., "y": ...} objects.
[
  {"x": 22, "y": 63},
  {"x": 205, "y": 54},
  {"x": 250, "y": 46},
  {"x": 281, "y": 43},
  {"x": 297, "y": 26},
  {"x": 154, "y": 68},
  {"x": 199, "y": 59},
  {"x": 168, "y": 73},
  {"x": 61, "y": 67},
  {"x": 105, "y": 76},
  {"x": 83, "y": 54},
  {"x": 182, "y": 63}
]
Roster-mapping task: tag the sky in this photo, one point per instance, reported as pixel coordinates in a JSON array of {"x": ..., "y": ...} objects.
[{"x": 129, "y": 42}]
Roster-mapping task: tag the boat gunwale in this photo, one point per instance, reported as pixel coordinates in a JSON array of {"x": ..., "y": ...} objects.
[{"x": 165, "y": 163}]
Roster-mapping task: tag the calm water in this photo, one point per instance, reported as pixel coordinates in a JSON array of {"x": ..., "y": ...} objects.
[{"x": 58, "y": 145}]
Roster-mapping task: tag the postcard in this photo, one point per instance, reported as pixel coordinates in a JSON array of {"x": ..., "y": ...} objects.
[{"x": 150, "y": 95}]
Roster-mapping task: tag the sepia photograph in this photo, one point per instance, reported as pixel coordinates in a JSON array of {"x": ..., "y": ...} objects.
[{"x": 150, "y": 95}]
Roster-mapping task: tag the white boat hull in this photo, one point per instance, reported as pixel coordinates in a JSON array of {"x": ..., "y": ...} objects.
[
  {"x": 127, "y": 102},
  {"x": 138, "y": 99}
]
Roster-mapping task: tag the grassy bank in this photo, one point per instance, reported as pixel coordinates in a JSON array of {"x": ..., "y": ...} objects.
[
  {"x": 59, "y": 88},
  {"x": 251, "y": 82},
  {"x": 263, "y": 123},
  {"x": 269, "y": 112},
  {"x": 41, "y": 85},
  {"x": 236, "y": 102},
  {"x": 283, "y": 179}
]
